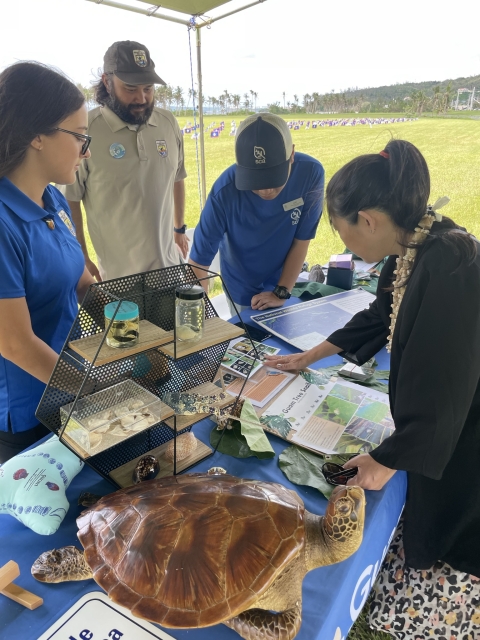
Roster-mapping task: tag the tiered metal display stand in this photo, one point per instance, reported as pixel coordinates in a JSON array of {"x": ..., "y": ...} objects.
[{"x": 93, "y": 379}]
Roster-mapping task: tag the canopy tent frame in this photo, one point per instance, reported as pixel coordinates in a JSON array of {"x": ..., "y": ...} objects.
[{"x": 191, "y": 23}]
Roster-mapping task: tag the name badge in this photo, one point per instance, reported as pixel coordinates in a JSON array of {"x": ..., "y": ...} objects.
[
  {"x": 68, "y": 223},
  {"x": 292, "y": 204}
]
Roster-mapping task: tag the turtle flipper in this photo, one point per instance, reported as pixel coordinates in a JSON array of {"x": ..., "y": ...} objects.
[
  {"x": 258, "y": 624},
  {"x": 61, "y": 565}
]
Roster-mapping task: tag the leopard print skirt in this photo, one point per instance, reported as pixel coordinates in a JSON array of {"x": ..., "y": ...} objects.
[{"x": 435, "y": 604}]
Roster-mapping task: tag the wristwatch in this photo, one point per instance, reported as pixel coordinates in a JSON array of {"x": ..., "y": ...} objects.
[
  {"x": 281, "y": 292},
  {"x": 181, "y": 230}
]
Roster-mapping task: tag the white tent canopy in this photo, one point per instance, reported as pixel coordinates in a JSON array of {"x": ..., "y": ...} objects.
[{"x": 197, "y": 10}]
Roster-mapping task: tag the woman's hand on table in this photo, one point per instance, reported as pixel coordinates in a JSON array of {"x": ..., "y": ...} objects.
[
  {"x": 298, "y": 361},
  {"x": 294, "y": 362},
  {"x": 371, "y": 474}
]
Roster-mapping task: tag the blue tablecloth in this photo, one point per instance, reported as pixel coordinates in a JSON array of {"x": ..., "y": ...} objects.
[{"x": 332, "y": 596}]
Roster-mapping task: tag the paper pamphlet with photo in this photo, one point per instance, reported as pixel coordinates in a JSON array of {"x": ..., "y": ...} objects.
[
  {"x": 309, "y": 323},
  {"x": 261, "y": 386},
  {"x": 335, "y": 417},
  {"x": 242, "y": 359}
]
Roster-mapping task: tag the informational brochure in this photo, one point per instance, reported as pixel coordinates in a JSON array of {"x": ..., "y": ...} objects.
[
  {"x": 335, "y": 417},
  {"x": 307, "y": 324},
  {"x": 261, "y": 387},
  {"x": 243, "y": 360}
]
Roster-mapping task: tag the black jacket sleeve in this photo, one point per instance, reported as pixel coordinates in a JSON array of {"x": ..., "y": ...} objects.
[
  {"x": 362, "y": 337},
  {"x": 435, "y": 364},
  {"x": 367, "y": 332}
]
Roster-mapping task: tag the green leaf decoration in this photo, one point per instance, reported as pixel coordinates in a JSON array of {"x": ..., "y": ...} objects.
[
  {"x": 253, "y": 431},
  {"x": 235, "y": 443},
  {"x": 305, "y": 467}
]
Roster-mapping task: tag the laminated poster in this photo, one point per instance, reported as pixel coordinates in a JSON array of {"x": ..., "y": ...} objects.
[
  {"x": 336, "y": 417},
  {"x": 309, "y": 323}
]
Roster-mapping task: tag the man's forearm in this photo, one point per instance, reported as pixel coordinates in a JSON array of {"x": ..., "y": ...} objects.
[
  {"x": 76, "y": 210},
  {"x": 179, "y": 204},
  {"x": 293, "y": 263},
  {"x": 200, "y": 273}
]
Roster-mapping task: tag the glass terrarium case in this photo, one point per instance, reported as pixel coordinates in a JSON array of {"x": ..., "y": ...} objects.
[{"x": 112, "y": 406}]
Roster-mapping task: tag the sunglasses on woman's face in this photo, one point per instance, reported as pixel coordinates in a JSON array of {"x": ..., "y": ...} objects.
[
  {"x": 336, "y": 475},
  {"x": 86, "y": 139}
]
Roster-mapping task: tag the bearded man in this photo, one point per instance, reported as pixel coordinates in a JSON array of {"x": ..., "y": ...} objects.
[{"x": 132, "y": 186}]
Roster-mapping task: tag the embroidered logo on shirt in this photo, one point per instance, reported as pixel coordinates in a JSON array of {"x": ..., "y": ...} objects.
[
  {"x": 64, "y": 217},
  {"x": 117, "y": 150},
  {"x": 295, "y": 216},
  {"x": 259, "y": 153},
  {"x": 162, "y": 148},
  {"x": 140, "y": 57}
]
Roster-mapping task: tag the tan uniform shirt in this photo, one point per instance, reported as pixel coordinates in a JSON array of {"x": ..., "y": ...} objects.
[{"x": 127, "y": 190}]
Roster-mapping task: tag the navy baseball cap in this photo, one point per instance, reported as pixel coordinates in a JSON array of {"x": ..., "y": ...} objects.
[
  {"x": 263, "y": 146},
  {"x": 131, "y": 62}
]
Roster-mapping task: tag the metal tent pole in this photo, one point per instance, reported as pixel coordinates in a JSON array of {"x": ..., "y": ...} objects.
[{"x": 200, "y": 113}]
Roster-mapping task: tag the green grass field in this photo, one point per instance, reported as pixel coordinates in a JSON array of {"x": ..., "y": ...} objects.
[{"x": 451, "y": 148}]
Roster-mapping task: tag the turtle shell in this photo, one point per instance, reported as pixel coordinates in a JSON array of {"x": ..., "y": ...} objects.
[{"x": 192, "y": 550}]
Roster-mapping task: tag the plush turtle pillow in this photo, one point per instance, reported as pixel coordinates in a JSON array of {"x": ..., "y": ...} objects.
[{"x": 33, "y": 485}]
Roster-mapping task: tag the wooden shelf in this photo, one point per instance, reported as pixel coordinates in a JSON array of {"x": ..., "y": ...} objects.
[
  {"x": 215, "y": 331},
  {"x": 123, "y": 475},
  {"x": 149, "y": 336}
]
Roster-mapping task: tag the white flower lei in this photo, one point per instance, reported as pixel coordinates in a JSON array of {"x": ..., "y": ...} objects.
[{"x": 405, "y": 262}]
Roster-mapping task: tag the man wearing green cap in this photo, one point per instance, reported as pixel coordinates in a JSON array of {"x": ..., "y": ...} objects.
[{"x": 132, "y": 187}]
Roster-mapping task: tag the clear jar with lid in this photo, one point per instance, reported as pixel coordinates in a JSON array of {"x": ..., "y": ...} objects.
[
  {"x": 124, "y": 329},
  {"x": 189, "y": 312}
]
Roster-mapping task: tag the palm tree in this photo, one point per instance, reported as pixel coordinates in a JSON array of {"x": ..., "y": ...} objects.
[
  {"x": 226, "y": 100},
  {"x": 236, "y": 98},
  {"x": 283, "y": 94},
  {"x": 246, "y": 101},
  {"x": 252, "y": 95},
  {"x": 177, "y": 97},
  {"x": 306, "y": 101}
]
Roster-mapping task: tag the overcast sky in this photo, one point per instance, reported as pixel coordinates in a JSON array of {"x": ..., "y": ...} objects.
[{"x": 296, "y": 46}]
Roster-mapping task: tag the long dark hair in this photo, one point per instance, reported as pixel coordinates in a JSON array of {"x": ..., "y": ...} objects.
[
  {"x": 396, "y": 182},
  {"x": 34, "y": 99},
  {"x": 100, "y": 91}
]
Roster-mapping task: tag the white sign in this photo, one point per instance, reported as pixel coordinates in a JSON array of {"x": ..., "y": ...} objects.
[{"x": 96, "y": 617}]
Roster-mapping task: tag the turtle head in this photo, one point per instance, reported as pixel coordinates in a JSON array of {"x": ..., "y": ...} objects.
[
  {"x": 60, "y": 565},
  {"x": 338, "y": 534}
]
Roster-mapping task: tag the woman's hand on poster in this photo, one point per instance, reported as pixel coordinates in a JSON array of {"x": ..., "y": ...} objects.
[
  {"x": 294, "y": 362},
  {"x": 371, "y": 474}
]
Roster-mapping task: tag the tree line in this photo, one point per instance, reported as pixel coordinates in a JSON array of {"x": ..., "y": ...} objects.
[{"x": 411, "y": 98}]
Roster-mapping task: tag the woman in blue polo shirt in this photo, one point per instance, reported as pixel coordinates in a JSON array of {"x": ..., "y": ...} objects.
[{"x": 43, "y": 124}]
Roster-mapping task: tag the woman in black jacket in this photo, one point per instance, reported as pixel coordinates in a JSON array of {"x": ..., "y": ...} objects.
[{"x": 427, "y": 312}]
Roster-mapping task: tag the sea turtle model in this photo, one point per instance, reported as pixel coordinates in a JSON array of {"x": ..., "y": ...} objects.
[{"x": 196, "y": 550}]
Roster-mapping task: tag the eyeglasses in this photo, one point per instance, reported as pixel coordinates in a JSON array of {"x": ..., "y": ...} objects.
[
  {"x": 80, "y": 136},
  {"x": 336, "y": 475}
]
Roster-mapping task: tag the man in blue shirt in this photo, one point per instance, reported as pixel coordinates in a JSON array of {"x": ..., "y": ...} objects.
[{"x": 261, "y": 213}]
